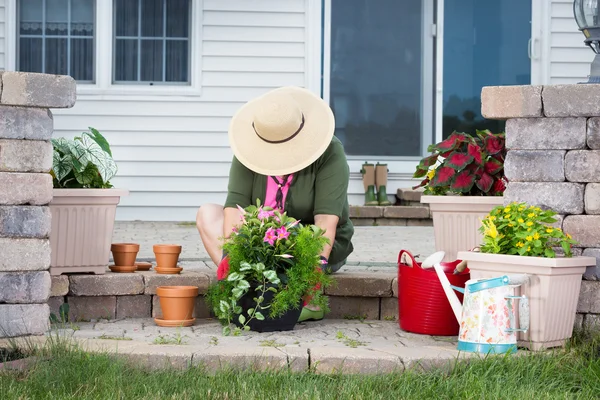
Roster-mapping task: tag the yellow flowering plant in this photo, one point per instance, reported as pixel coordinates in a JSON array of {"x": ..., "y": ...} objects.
[{"x": 521, "y": 229}]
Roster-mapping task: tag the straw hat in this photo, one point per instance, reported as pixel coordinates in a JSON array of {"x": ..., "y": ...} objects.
[{"x": 282, "y": 131}]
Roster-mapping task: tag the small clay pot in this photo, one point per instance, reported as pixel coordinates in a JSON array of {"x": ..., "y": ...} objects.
[
  {"x": 166, "y": 255},
  {"x": 177, "y": 302},
  {"x": 125, "y": 254}
]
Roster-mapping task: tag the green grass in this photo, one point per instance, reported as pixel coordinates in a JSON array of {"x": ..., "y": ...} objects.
[{"x": 68, "y": 373}]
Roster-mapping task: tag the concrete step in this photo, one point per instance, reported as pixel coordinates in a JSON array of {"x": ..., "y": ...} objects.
[
  {"x": 409, "y": 195},
  {"x": 404, "y": 215}
]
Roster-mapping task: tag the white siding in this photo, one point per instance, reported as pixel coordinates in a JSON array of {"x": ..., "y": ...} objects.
[
  {"x": 173, "y": 152},
  {"x": 570, "y": 58}
]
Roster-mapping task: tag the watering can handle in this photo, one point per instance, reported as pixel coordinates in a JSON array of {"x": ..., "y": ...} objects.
[{"x": 523, "y": 314}]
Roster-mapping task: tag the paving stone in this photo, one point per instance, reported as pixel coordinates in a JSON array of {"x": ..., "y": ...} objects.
[
  {"x": 327, "y": 360},
  {"x": 153, "y": 280},
  {"x": 25, "y": 123},
  {"x": 153, "y": 358},
  {"x": 352, "y": 284},
  {"x": 134, "y": 306},
  {"x": 419, "y": 222},
  {"x": 562, "y": 197},
  {"x": 582, "y": 166},
  {"x": 34, "y": 189},
  {"x": 60, "y": 285},
  {"x": 55, "y": 303},
  {"x": 578, "y": 324},
  {"x": 25, "y": 221},
  {"x": 504, "y": 102},
  {"x": 353, "y": 307},
  {"x": 585, "y": 229},
  {"x": 406, "y": 212},
  {"x": 589, "y": 297},
  {"x": 24, "y": 287},
  {"x": 592, "y": 273},
  {"x": 109, "y": 284},
  {"x": 38, "y": 90},
  {"x": 389, "y": 309},
  {"x": 366, "y": 212},
  {"x": 253, "y": 359},
  {"x": 535, "y": 166},
  {"x": 591, "y": 322},
  {"x": 409, "y": 194},
  {"x": 546, "y": 133},
  {"x": 201, "y": 309},
  {"x": 363, "y": 221},
  {"x": 395, "y": 287},
  {"x": 23, "y": 319},
  {"x": 571, "y": 100},
  {"x": 25, "y": 156},
  {"x": 592, "y": 198},
  {"x": 88, "y": 308},
  {"x": 391, "y": 222},
  {"x": 24, "y": 254}
]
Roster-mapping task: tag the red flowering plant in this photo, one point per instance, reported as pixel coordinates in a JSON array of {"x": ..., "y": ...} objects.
[
  {"x": 466, "y": 165},
  {"x": 274, "y": 261}
]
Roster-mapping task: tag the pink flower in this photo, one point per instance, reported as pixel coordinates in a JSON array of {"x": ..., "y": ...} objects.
[
  {"x": 323, "y": 262},
  {"x": 285, "y": 255},
  {"x": 242, "y": 217},
  {"x": 263, "y": 214},
  {"x": 293, "y": 224},
  {"x": 270, "y": 236},
  {"x": 282, "y": 233}
]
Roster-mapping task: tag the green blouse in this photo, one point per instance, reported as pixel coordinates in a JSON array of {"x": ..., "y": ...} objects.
[{"x": 320, "y": 188}]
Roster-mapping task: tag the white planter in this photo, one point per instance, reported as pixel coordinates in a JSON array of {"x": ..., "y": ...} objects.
[
  {"x": 456, "y": 221},
  {"x": 553, "y": 291},
  {"x": 82, "y": 228}
]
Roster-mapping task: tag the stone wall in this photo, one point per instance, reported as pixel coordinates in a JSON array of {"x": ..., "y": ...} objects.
[
  {"x": 553, "y": 161},
  {"x": 26, "y": 127}
]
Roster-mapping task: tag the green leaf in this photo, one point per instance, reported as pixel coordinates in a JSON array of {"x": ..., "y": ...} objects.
[
  {"x": 243, "y": 284},
  {"x": 61, "y": 145},
  {"x": 87, "y": 150},
  {"x": 244, "y": 266},
  {"x": 234, "y": 276},
  {"x": 242, "y": 319},
  {"x": 87, "y": 176},
  {"x": 99, "y": 139},
  {"x": 270, "y": 275},
  {"x": 250, "y": 312},
  {"x": 246, "y": 328},
  {"x": 226, "y": 330},
  {"x": 258, "y": 315},
  {"x": 237, "y": 292},
  {"x": 223, "y": 306},
  {"x": 61, "y": 165}
]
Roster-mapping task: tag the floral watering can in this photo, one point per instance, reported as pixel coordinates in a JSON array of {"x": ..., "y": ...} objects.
[{"x": 487, "y": 315}]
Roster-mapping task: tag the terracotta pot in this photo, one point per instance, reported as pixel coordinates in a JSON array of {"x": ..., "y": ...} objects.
[
  {"x": 167, "y": 255},
  {"x": 125, "y": 254},
  {"x": 553, "y": 291},
  {"x": 177, "y": 302},
  {"x": 456, "y": 221}
]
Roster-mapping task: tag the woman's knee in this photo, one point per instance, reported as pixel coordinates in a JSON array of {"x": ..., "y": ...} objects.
[{"x": 208, "y": 215}]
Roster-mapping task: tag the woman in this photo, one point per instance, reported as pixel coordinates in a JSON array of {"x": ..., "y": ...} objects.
[{"x": 286, "y": 155}]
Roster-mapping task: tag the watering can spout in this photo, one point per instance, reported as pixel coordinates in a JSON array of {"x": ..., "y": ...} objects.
[{"x": 435, "y": 259}]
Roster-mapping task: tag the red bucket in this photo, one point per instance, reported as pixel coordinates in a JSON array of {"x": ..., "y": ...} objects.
[{"x": 422, "y": 303}]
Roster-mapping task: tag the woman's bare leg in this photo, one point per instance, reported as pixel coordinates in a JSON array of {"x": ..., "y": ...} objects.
[{"x": 209, "y": 222}]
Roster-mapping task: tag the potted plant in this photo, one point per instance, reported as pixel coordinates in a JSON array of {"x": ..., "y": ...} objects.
[
  {"x": 463, "y": 180},
  {"x": 274, "y": 261},
  {"x": 84, "y": 204},
  {"x": 520, "y": 239}
]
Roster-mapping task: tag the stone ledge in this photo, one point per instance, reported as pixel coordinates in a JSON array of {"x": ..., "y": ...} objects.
[
  {"x": 27, "y": 189},
  {"x": 152, "y": 280},
  {"x": 24, "y": 287},
  {"x": 106, "y": 285},
  {"x": 37, "y": 90},
  {"x": 389, "y": 212},
  {"x": 25, "y": 123},
  {"x": 25, "y": 221},
  {"x": 571, "y": 100},
  {"x": 361, "y": 284},
  {"x": 25, "y": 156},
  {"x": 409, "y": 194},
  {"x": 504, "y": 102},
  {"x": 24, "y": 254}
]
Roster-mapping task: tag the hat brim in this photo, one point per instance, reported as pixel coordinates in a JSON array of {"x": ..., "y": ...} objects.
[{"x": 288, "y": 157}]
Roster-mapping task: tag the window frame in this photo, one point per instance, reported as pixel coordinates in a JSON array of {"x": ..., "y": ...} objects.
[{"x": 103, "y": 85}]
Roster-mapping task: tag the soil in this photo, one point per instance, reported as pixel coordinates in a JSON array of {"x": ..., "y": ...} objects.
[{"x": 7, "y": 355}]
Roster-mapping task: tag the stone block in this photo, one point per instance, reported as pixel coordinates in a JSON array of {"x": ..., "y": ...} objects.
[
  {"x": 24, "y": 287},
  {"x": 109, "y": 284},
  {"x": 409, "y": 194},
  {"x": 419, "y": 222},
  {"x": 535, "y": 166},
  {"x": 25, "y": 123},
  {"x": 395, "y": 287},
  {"x": 24, "y": 319},
  {"x": 38, "y": 90},
  {"x": 592, "y": 198},
  {"x": 153, "y": 280},
  {"x": 87, "y": 308},
  {"x": 59, "y": 286},
  {"x": 201, "y": 309},
  {"x": 389, "y": 309},
  {"x": 504, "y": 102},
  {"x": 593, "y": 133},
  {"x": 34, "y": 189},
  {"x": 363, "y": 221},
  {"x": 578, "y": 325},
  {"x": 134, "y": 306},
  {"x": 366, "y": 212},
  {"x": 562, "y": 197},
  {"x": 589, "y": 297},
  {"x": 582, "y": 166},
  {"x": 55, "y": 303},
  {"x": 406, "y": 212},
  {"x": 585, "y": 229},
  {"x": 592, "y": 273},
  {"x": 591, "y": 322},
  {"x": 25, "y": 221},
  {"x": 353, "y": 307},
  {"x": 546, "y": 134},
  {"x": 359, "y": 361},
  {"x": 25, "y": 156},
  {"x": 361, "y": 284},
  {"x": 391, "y": 222},
  {"x": 24, "y": 254},
  {"x": 571, "y": 100}
]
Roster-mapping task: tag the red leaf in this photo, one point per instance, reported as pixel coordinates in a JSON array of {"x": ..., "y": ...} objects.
[
  {"x": 494, "y": 144},
  {"x": 443, "y": 176},
  {"x": 458, "y": 161},
  {"x": 428, "y": 161},
  {"x": 453, "y": 141},
  {"x": 463, "y": 182},
  {"x": 499, "y": 187},
  {"x": 493, "y": 166},
  {"x": 485, "y": 182},
  {"x": 475, "y": 152}
]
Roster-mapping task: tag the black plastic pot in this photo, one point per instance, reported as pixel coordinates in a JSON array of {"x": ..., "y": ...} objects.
[{"x": 285, "y": 322}]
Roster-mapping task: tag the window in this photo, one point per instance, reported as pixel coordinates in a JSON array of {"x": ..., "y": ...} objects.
[
  {"x": 151, "y": 41},
  {"x": 56, "y": 37}
]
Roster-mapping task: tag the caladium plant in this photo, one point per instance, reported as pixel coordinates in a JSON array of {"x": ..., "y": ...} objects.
[
  {"x": 465, "y": 164},
  {"x": 83, "y": 162}
]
